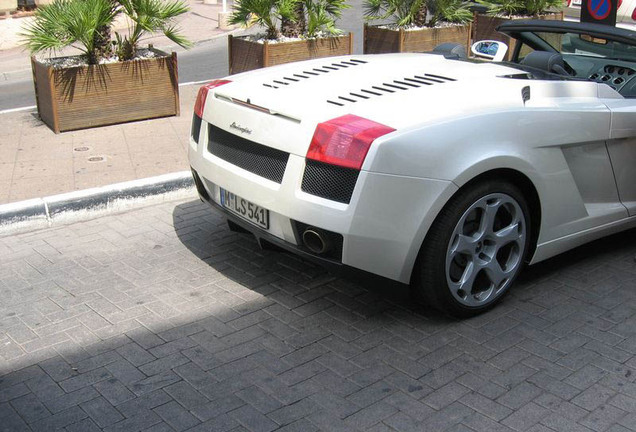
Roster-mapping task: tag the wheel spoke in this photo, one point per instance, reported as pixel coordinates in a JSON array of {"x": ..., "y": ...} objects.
[
  {"x": 465, "y": 283},
  {"x": 464, "y": 245},
  {"x": 488, "y": 216},
  {"x": 511, "y": 233},
  {"x": 495, "y": 273}
]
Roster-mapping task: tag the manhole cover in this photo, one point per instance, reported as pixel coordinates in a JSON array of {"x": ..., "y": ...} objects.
[
  {"x": 81, "y": 149},
  {"x": 96, "y": 159}
]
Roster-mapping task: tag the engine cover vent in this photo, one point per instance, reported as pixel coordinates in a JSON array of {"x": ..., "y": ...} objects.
[
  {"x": 304, "y": 74},
  {"x": 387, "y": 87}
]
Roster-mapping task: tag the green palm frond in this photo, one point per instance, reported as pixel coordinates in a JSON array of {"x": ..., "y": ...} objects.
[
  {"x": 503, "y": 7},
  {"x": 68, "y": 22},
  {"x": 521, "y": 7},
  {"x": 453, "y": 11},
  {"x": 538, "y": 7},
  {"x": 172, "y": 33},
  {"x": 286, "y": 9},
  {"x": 402, "y": 13},
  {"x": 153, "y": 16},
  {"x": 321, "y": 18},
  {"x": 261, "y": 12},
  {"x": 334, "y": 8},
  {"x": 373, "y": 9}
]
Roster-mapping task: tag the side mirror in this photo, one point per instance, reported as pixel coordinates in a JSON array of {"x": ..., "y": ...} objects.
[{"x": 489, "y": 49}]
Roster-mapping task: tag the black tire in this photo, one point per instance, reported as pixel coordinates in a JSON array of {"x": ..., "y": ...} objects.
[{"x": 438, "y": 270}]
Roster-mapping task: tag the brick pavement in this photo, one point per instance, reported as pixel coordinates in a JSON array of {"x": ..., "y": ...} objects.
[{"x": 161, "y": 319}]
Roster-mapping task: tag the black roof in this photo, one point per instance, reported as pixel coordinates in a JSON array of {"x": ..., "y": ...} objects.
[{"x": 551, "y": 26}]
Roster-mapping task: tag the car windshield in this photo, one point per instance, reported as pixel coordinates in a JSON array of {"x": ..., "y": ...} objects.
[{"x": 587, "y": 45}]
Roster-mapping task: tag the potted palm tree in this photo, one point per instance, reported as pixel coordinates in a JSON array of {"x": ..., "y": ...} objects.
[
  {"x": 294, "y": 30},
  {"x": 500, "y": 11},
  {"x": 415, "y": 25},
  {"x": 110, "y": 81}
]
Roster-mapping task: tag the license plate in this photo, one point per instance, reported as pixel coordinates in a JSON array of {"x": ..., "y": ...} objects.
[
  {"x": 245, "y": 209},
  {"x": 576, "y": 2}
]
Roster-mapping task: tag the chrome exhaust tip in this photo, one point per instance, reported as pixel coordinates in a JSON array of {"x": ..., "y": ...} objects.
[{"x": 315, "y": 240}]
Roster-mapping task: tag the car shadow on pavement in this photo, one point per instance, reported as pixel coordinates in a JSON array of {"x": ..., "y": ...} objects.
[{"x": 238, "y": 257}]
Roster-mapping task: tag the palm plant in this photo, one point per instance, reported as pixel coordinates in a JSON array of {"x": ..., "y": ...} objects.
[
  {"x": 406, "y": 13},
  {"x": 296, "y": 18},
  {"x": 77, "y": 23},
  {"x": 402, "y": 13},
  {"x": 452, "y": 11},
  {"x": 322, "y": 16},
  {"x": 295, "y": 25},
  {"x": 150, "y": 16},
  {"x": 520, "y": 7},
  {"x": 266, "y": 13}
]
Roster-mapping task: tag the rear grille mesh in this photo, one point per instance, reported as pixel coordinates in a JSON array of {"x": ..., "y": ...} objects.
[
  {"x": 329, "y": 181},
  {"x": 256, "y": 158}
]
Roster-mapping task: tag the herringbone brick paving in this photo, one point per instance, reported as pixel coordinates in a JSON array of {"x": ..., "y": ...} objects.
[{"x": 161, "y": 319}]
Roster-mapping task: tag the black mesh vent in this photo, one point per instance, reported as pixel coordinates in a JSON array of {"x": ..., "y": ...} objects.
[
  {"x": 256, "y": 158},
  {"x": 196, "y": 127},
  {"x": 329, "y": 181}
]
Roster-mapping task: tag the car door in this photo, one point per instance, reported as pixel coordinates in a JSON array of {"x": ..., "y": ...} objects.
[{"x": 622, "y": 149}]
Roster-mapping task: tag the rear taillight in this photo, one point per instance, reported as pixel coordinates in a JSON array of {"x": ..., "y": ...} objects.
[
  {"x": 203, "y": 94},
  {"x": 568, "y": 3},
  {"x": 345, "y": 141},
  {"x": 620, "y": 2},
  {"x": 634, "y": 14}
]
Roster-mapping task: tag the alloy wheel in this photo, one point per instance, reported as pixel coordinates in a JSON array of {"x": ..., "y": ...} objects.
[{"x": 485, "y": 250}]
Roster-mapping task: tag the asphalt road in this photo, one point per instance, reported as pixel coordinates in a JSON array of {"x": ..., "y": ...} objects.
[{"x": 205, "y": 61}]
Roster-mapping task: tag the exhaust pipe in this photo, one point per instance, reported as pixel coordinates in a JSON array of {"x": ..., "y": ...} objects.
[{"x": 316, "y": 241}]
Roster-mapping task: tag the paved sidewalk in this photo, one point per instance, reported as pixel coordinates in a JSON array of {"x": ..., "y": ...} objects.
[
  {"x": 162, "y": 319},
  {"x": 35, "y": 162}
]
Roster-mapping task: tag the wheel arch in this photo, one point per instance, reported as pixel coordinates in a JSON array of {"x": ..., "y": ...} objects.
[{"x": 516, "y": 178}]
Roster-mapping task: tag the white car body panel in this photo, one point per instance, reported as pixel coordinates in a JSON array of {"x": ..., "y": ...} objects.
[{"x": 555, "y": 138}]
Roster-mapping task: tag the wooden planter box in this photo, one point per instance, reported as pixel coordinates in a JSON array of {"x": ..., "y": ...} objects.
[
  {"x": 378, "y": 40},
  {"x": 484, "y": 28},
  {"x": 7, "y": 6},
  {"x": 87, "y": 96},
  {"x": 245, "y": 55}
]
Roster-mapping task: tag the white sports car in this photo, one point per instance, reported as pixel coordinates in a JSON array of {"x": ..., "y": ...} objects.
[{"x": 430, "y": 169}]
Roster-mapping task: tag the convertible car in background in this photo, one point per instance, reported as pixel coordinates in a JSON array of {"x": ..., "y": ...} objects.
[{"x": 433, "y": 170}]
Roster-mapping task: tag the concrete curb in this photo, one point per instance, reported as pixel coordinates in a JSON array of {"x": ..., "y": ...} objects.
[{"x": 86, "y": 204}]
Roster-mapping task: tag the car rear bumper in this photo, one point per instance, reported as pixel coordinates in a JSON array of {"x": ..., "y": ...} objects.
[{"x": 382, "y": 226}]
